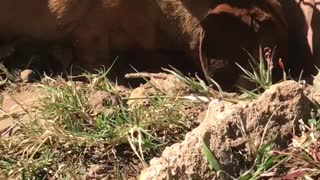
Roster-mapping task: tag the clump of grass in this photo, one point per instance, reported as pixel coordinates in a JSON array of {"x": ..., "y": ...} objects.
[
  {"x": 63, "y": 139},
  {"x": 265, "y": 162},
  {"x": 301, "y": 158},
  {"x": 195, "y": 84},
  {"x": 100, "y": 81},
  {"x": 261, "y": 72},
  {"x": 198, "y": 85},
  {"x": 304, "y": 151}
]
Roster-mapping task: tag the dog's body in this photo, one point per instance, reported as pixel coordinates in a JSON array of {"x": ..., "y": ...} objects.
[
  {"x": 97, "y": 28},
  {"x": 93, "y": 26}
]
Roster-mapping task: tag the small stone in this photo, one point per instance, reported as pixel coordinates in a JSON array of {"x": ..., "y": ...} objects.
[{"x": 26, "y": 75}]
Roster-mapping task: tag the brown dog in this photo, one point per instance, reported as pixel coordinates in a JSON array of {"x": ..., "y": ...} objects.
[{"x": 98, "y": 27}]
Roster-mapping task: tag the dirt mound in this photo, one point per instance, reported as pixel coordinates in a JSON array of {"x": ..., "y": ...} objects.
[{"x": 234, "y": 132}]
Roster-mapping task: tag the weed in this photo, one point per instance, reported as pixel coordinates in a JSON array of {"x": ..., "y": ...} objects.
[{"x": 261, "y": 72}]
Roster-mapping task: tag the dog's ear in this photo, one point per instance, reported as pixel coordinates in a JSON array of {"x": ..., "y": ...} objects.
[
  {"x": 241, "y": 14},
  {"x": 249, "y": 16}
]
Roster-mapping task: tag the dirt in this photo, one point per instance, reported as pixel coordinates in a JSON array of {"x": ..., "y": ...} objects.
[
  {"x": 233, "y": 131},
  {"x": 15, "y": 104},
  {"x": 100, "y": 100}
]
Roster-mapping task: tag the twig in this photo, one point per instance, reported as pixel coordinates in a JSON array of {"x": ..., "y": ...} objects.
[{"x": 146, "y": 75}]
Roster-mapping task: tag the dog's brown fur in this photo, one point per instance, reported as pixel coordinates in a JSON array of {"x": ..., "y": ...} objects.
[
  {"x": 93, "y": 26},
  {"x": 97, "y": 27},
  {"x": 181, "y": 20},
  {"x": 187, "y": 20}
]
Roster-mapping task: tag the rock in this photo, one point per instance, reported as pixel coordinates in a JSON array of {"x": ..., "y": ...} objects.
[
  {"x": 26, "y": 75},
  {"x": 313, "y": 92},
  {"x": 232, "y": 128}
]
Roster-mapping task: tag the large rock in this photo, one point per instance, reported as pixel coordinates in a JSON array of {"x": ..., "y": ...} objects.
[{"x": 233, "y": 128}]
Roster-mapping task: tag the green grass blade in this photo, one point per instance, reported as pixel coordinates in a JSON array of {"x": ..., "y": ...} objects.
[{"x": 213, "y": 163}]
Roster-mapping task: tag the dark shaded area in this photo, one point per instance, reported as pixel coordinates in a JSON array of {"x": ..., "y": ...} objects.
[
  {"x": 36, "y": 55},
  {"x": 152, "y": 61},
  {"x": 299, "y": 54},
  {"x": 315, "y": 25},
  {"x": 58, "y": 58},
  {"x": 231, "y": 39},
  {"x": 225, "y": 37}
]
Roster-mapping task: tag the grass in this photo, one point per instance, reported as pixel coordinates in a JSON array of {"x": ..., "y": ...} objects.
[
  {"x": 261, "y": 72},
  {"x": 200, "y": 87},
  {"x": 64, "y": 138}
]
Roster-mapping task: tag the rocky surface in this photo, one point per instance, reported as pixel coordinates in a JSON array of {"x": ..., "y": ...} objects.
[{"x": 234, "y": 132}]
